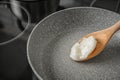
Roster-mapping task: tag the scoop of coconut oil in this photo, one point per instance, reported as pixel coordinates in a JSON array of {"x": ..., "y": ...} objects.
[{"x": 82, "y": 50}]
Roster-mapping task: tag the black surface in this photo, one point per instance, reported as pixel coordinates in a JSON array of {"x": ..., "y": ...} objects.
[{"x": 13, "y": 61}]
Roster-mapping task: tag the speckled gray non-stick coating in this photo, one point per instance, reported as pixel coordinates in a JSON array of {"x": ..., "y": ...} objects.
[{"x": 51, "y": 40}]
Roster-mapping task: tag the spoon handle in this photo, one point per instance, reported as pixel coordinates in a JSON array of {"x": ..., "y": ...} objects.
[
  {"x": 111, "y": 30},
  {"x": 116, "y": 26}
]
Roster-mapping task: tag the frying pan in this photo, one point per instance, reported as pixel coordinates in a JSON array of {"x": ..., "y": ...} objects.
[{"x": 49, "y": 45}]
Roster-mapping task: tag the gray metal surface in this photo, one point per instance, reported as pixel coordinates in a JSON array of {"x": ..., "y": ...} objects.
[{"x": 51, "y": 40}]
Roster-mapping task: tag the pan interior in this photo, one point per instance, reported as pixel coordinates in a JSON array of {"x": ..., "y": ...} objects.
[{"x": 50, "y": 43}]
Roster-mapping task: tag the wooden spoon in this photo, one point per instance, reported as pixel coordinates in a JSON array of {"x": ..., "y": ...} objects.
[{"x": 102, "y": 38}]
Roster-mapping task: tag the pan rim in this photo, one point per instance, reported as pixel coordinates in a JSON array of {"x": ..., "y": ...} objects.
[{"x": 28, "y": 41}]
